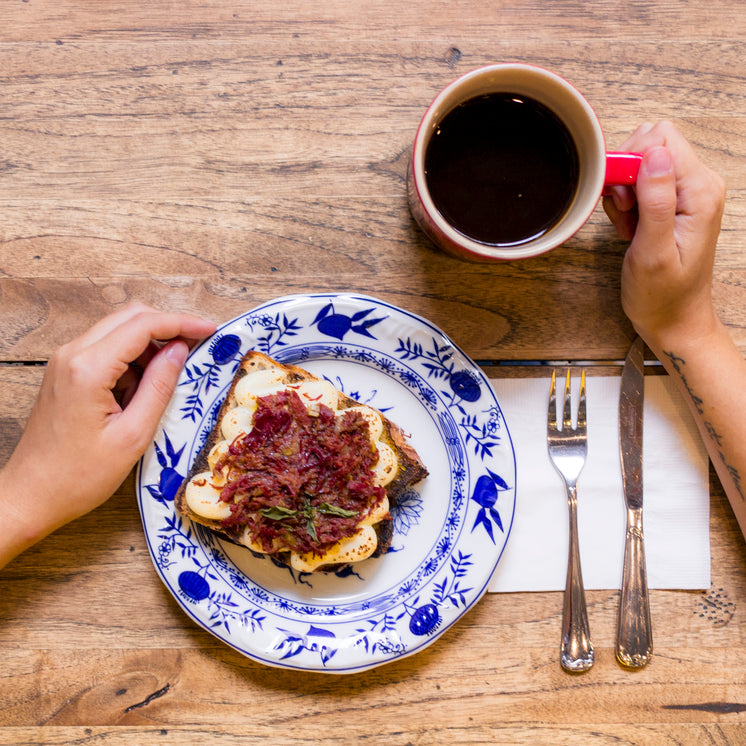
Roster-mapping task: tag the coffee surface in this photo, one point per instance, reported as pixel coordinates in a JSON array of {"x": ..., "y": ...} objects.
[{"x": 502, "y": 169}]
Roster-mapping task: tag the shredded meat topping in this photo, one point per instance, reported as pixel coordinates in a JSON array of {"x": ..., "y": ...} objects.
[{"x": 297, "y": 481}]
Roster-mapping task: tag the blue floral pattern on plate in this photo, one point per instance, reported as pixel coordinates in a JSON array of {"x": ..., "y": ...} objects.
[{"x": 449, "y": 531}]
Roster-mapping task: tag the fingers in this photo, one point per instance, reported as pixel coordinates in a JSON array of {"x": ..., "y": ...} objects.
[
  {"x": 620, "y": 204},
  {"x": 624, "y": 219},
  {"x": 636, "y": 136},
  {"x": 97, "y": 365},
  {"x": 648, "y": 136},
  {"x": 700, "y": 194},
  {"x": 656, "y": 197},
  {"x": 194, "y": 327},
  {"x": 623, "y": 197},
  {"x": 130, "y": 339},
  {"x": 143, "y": 403},
  {"x": 693, "y": 179},
  {"x": 138, "y": 422},
  {"x": 107, "y": 324}
]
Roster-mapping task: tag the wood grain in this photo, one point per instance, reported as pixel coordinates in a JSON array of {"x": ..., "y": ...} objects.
[
  {"x": 209, "y": 156},
  {"x": 562, "y": 306},
  {"x": 92, "y": 639},
  {"x": 531, "y": 19},
  {"x": 685, "y": 734},
  {"x": 263, "y": 159}
]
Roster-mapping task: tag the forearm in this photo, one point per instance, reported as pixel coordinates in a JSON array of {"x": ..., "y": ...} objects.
[
  {"x": 35, "y": 502},
  {"x": 19, "y": 529},
  {"x": 711, "y": 372}
]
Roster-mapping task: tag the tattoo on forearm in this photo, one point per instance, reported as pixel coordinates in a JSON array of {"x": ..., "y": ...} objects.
[
  {"x": 714, "y": 434},
  {"x": 678, "y": 364}
]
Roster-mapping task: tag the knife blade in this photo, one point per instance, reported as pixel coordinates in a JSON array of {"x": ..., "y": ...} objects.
[{"x": 634, "y": 646}]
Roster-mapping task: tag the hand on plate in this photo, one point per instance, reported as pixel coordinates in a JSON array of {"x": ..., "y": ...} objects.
[{"x": 100, "y": 402}]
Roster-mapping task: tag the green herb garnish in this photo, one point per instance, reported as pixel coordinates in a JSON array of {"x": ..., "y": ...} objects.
[
  {"x": 278, "y": 513},
  {"x": 334, "y": 510},
  {"x": 308, "y": 513},
  {"x": 311, "y": 529}
]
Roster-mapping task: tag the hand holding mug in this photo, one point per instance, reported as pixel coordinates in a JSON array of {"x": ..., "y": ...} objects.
[{"x": 672, "y": 219}]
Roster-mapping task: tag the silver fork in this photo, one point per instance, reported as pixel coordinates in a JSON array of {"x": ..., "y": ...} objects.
[{"x": 567, "y": 449}]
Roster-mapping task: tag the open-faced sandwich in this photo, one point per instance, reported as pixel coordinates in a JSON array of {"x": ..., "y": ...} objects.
[{"x": 295, "y": 469}]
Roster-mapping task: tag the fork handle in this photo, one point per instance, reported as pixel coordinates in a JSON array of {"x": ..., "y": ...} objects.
[
  {"x": 634, "y": 646},
  {"x": 576, "y": 650}
]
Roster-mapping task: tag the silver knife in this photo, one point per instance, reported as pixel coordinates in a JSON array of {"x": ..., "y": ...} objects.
[{"x": 634, "y": 646}]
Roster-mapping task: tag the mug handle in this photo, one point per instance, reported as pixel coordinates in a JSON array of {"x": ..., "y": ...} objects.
[{"x": 621, "y": 169}]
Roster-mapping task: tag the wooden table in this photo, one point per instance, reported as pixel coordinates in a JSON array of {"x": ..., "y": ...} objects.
[{"x": 208, "y": 156}]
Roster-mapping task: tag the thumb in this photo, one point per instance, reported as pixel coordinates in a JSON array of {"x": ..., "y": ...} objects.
[
  {"x": 156, "y": 388},
  {"x": 656, "y": 199}
]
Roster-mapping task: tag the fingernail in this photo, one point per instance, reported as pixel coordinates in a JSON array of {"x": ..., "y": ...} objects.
[
  {"x": 643, "y": 129},
  {"x": 619, "y": 200},
  {"x": 658, "y": 162},
  {"x": 176, "y": 351}
]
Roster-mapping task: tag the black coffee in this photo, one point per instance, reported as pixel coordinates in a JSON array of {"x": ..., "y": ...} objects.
[{"x": 502, "y": 169}]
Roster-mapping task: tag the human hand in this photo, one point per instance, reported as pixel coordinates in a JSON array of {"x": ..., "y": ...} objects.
[
  {"x": 672, "y": 217},
  {"x": 99, "y": 404}
]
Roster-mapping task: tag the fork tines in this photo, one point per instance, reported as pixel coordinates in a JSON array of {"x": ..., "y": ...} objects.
[{"x": 567, "y": 408}]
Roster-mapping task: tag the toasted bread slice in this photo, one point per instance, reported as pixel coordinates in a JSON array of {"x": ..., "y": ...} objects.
[{"x": 209, "y": 495}]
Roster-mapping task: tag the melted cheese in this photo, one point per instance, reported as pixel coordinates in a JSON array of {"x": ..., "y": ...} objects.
[
  {"x": 357, "y": 547},
  {"x": 387, "y": 465},
  {"x": 315, "y": 393},
  {"x": 235, "y": 422},
  {"x": 256, "y": 384},
  {"x": 217, "y": 453},
  {"x": 247, "y": 541},
  {"x": 203, "y": 491},
  {"x": 378, "y": 513},
  {"x": 375, "y": 423},
  {"x": 203, "y": 497}
]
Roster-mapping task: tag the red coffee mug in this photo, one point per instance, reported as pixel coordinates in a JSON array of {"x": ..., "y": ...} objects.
[{"x": 596, "y": 168}]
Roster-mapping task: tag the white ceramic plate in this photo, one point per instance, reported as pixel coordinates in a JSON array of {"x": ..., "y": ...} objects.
[{"x": 450, "y": 530}]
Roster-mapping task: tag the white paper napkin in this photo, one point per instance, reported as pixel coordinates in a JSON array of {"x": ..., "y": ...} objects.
[{"x": 675, "y": 482}]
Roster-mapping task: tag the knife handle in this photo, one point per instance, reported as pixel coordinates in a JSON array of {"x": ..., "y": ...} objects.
[{"x": 634, "y": 646}]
